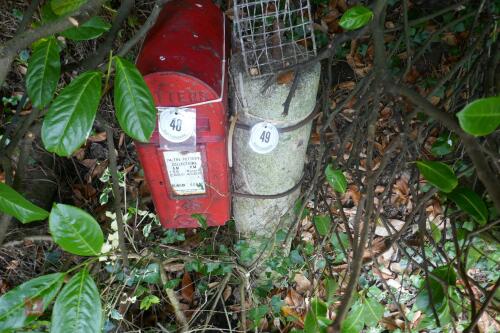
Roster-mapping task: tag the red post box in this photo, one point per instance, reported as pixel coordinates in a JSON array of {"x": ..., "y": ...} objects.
[{"x": 183, "y": 60}]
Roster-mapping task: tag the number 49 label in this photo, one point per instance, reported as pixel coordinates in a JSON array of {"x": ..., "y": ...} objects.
[
  {"x": 177, "y": 124},
  {"x": 264, "y": 137}
]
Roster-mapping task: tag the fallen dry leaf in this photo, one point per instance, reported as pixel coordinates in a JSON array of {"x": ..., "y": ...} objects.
[
  {"x": 302, "y": 284},
  {"x": 187, "y": 288}
]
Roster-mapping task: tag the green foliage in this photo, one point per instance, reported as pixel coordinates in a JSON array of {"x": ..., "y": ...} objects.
[
  {"x": 91, "y": 29},
  {"x": 257, "y": 313},
  {"x": 365, "y": 311},
  {"x": 336, "y": 179},
  {"x": 322, "y": 223},
  {"x": 28, "y": 301},
  {"x": 135, "y": 109},
  {"x": 316, "y": 320},
  {"x": 63, "y": 7},
  {"x": 44, "y": 68},
  {"x": 471, "y": 203},
  {"x": 69, "y": 120},
  {"x": 172, "y": 236},
  {"x": 439, "y": 293},
  {"x": 202, "y": 220},
  {"x": 438, "y": 174},
  {"x": 480, "y": 117},
  {"x": 443, "y": 145},
  {"x": 78, "y": 306},
  {"x": 14, "y": 204},
  {"x": 245, "y": 251},
  {"x": 149, "y": 301},
  {"x": 75, "y": 230},
  {"x": 355, "y": 18}
]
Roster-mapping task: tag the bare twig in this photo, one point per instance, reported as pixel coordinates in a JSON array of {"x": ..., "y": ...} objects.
[{"x": 115, "y": 183}]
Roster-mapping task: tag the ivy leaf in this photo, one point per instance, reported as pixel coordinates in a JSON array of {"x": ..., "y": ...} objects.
[
  {"x": 44, "y": 69},
  {"x": 336, "y": 179},
  {"x": 135, "y": 109},
  {"x": 356, "y": 17},
  {"x": 63, "y": 7},
  {"x": 471, "y": 203},
  {"x": 322, "y": 223},
  {"x": 14, "y": 204},
  {"x": 28, "y": 301},
  {"x": 69, "y": 120},
  {"x": 78, "y": 306},
  {"x": 75, "y": 230},
  {"x": 438, "y": 174},
  {"x": 480, "y": 117},
  {"x": 91, "y": 29}
]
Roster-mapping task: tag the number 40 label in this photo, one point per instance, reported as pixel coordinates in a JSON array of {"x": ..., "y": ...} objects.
[
  {"x": 177, "y": 124},
  {"x": 264, "y": 137}
]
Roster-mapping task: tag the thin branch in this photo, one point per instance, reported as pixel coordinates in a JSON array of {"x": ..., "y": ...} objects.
[
  {"x": 483, "y": 307},
  {"x": 116, "y": 195}
]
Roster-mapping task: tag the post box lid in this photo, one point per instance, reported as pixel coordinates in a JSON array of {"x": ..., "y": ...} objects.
[{"x": 189, "y": 37}]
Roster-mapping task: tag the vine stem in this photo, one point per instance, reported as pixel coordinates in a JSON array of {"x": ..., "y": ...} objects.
[{"x": 116, "y": 195}]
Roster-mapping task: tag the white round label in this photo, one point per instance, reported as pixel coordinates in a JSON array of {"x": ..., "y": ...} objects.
[
  {"x": 176, "y": 125},
  {"x": 264, "y": 138}
]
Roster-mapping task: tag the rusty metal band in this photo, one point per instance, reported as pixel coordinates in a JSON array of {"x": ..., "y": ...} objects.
[
  {"x": 290, "y": 128},
  {"x": 271, "y": 196}
]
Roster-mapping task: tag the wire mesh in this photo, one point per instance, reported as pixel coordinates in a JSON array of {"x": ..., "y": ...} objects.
[{"x": 273, "y": 34}]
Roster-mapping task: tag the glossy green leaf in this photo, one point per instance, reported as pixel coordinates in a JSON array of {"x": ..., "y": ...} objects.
[
  {"x": 322, "y": 223},
  {"x": 28, "y": 301},
  {"x": 471, "y": 203},
  {"x": 135, "y": 109},
  {"x": 354, "y": 321},
  {"x": 69, "y": 120},
  {"x": 355, "y": 18},
  {"x": 336, "y": 179},
  {"x": 14, "y": 204},
  {"x": 373, "y": 311},
  {"x": 316, "y": 320},
  {"x": 91, "y": 29},
  {"x": 44, "y": 69},
  {"x": 480, "y": 117},
  {"x": 438, "y": 174},
  {"x": 75, "y": 231},
  {"x": 78, "y": 307},
  {"x": 63, "y": 7}
]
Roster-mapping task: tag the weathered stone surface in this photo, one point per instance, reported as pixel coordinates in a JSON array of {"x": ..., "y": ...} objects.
[{"x": 279, "y": 170}]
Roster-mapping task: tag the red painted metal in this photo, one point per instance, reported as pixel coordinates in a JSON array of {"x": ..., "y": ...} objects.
[{"x": 183, "y": 60}]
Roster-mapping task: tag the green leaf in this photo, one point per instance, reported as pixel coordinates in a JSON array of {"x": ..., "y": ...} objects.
[
  {"x": 63, "y": 7},
  {"x": 75, "y": 230},
  {"x": 44, "y": 69},
  {"x": 435, "y": 232},
  {"x": 202, "y": 220},
  {"x": 91, "y": 29},
  {"x": 372, "y": 312},
  {"x": 471, "y": 203},
  {"x": 135, "y": 109},
  {"x": 78, "y": 306},
  {"x": 355, "y": 18},
  {"x": 480, "y": 117},
  {"x": 69, "y": 120},
  {"x": 331, "y": 287},
  {"x": 445, "y": 273},
  {"x": 148, "y": 301},
  {"x": 354, "y": 321},
  {"x": 438, "y": 174},
  {"x": 336, "y": 179},
  {"x": 14, "y": 204},
  {"x": 28, "y": 301},
  {"x": 322, "y": 223}
]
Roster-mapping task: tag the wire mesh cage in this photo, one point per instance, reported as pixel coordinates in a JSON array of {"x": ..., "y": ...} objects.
[{"x": 273, "y": 34}]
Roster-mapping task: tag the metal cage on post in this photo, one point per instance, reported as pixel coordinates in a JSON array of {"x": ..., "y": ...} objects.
[{"x": 273, "y": 34}]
